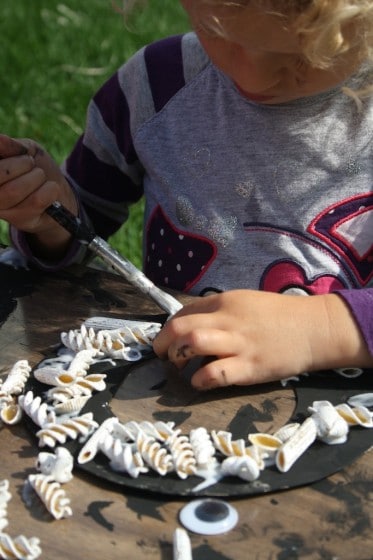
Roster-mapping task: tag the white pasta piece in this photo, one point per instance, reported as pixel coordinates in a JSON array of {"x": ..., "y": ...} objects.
[
  {"x": 141, "y": 334},
  {"x": 17, "y": 377},
  {"x": 362, "y": 399},
  {"x": 71, "y": 406},
  {"x": 20, "y": 547},
  {"x": 182, "y": 454},
  {"x": 223, "y": 442},
  {"x": 106, "y": 342},
  {"x": 285, "y": 432},
  {"x": 266, "y": 445},
  {"x": 244, "y": 467},
  {"x": 332, "y": 428},
  {"x": 78, "y": 340},
  {"x": 159, "y": 430},
  {"x": 11, "y": 413},
  {"x": 63, "y": 429},
  {"x": 80, "y": 386},
  {"x": 131, "y": 429},
  {"x": 58, "y": 465},
  {"x": 35, "y": 408},
  {"x": 122, "y": 344},
  {"x": 356, "y": 416},
  {"x": 82, "y": 361},
  {"x": 62, "y": 394},
  {"x": 296, "y": 445},
  {"x": 53, "y": 376},
  {"x": 5, "y": 398},
  {"x": 259, "y": 456},
  {"x": 182, "y": 547},
  {"x": 153, "y": 454},
  {"x": 202, "y": 446},
  {"x": 123, "y": 456},
  {"x": 91, "y": 382},
  {"x": 91, "y": 447},
  {"x": 52, "y": 495},
  {"x": 5, "y": 496}
]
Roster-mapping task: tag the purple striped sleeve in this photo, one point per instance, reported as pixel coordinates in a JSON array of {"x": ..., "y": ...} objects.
[
  {"x": 114, "y": 111},
  {"x": 100, "y": 178},
  {"x": 164, "y": 65},
  {"x": 75, "y": 254},
  {"x": 360, "y": 301}
]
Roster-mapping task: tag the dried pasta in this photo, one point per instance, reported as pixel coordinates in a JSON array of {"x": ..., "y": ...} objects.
[{"x": 52, "y": 495}]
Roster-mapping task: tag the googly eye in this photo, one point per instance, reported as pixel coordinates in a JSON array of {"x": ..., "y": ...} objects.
[{"x": 208, "y": 516}]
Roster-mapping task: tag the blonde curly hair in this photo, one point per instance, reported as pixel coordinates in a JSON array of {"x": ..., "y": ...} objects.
[{"x": 326, "y": 28}]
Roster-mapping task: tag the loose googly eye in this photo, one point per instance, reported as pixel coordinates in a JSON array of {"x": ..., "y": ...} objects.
[{"x": 208, "y": 516}]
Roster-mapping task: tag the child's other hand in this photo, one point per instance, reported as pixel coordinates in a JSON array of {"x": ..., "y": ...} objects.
[
  {"x": 29, "y": 182},
  {"x": 257, "y": 337}
]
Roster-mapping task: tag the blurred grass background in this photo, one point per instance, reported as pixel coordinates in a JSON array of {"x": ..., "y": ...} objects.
[{"x": 55, "y": 55}]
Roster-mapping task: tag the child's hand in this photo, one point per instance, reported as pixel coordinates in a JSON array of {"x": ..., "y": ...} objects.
[
  {"x": 29, "y": 182},
  {"x": 256, "y": 337}
]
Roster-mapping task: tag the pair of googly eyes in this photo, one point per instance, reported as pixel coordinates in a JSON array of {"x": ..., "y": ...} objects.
[{"x": 208, "y": 516}]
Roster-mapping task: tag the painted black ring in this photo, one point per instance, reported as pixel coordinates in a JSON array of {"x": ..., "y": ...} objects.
[{"x": 318, "y": 462}]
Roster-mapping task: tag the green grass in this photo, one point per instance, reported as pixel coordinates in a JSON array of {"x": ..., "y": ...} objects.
[{"x": 55, "y": 55}]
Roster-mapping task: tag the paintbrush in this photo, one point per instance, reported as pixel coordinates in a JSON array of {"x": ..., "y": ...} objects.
[
  {"x": 110, "y": 256},
  {"x": 98, "y": 246}
]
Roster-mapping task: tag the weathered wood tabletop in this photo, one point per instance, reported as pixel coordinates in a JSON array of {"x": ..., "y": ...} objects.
[{"x": 329, "y": 519}]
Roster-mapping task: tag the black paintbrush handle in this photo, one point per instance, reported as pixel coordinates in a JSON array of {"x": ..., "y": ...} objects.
[{"x": 71, "y": 223}]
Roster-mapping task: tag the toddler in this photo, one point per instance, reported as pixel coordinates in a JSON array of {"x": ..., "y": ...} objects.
[{"x": 250, "y": 140}]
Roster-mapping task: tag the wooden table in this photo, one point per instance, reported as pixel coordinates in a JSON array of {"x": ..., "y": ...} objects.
[{"x": 330, "y": 519}]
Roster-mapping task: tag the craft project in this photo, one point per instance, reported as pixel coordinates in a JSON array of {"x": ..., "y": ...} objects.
[{"x": 158, "y": 456}]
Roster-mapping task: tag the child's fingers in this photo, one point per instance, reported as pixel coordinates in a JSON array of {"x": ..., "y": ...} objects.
[
  {"x": 14, "y": 167},
  {"x": 10, "y": 147},
  {"x": 221, "y": 373},
  {"x": 202, "y": 342}
]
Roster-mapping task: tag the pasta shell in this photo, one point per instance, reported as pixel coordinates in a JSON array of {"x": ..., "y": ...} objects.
[
  {"x": 53, "y": 376},
  {"x": 266, "y": 446},
  {"x": 11, "y": 413},
  {"x": 71, "y": 406}
]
